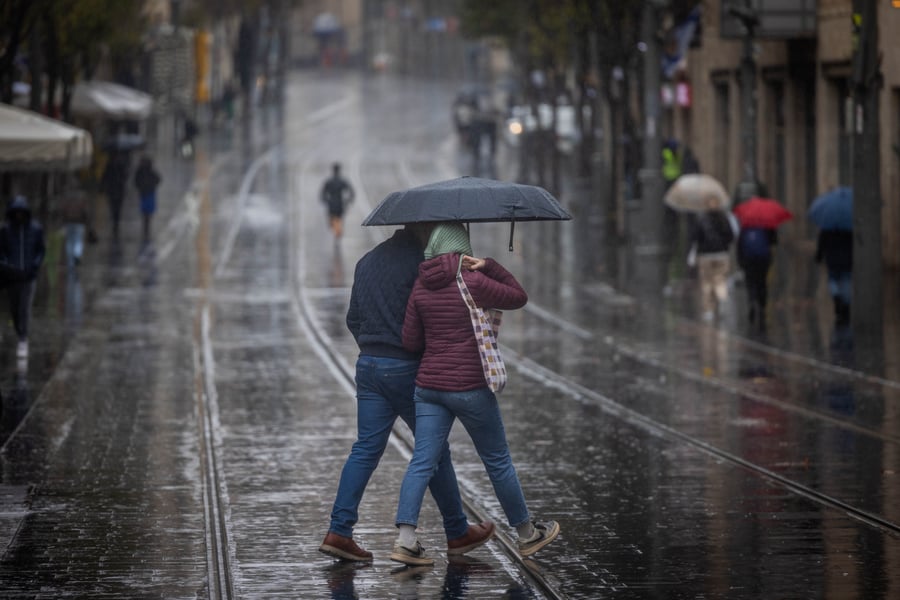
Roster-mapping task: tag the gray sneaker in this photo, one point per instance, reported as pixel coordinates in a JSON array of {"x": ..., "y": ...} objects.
[
  {"x": 544, "y": 533},
  {"x": 411, "y": 556}
]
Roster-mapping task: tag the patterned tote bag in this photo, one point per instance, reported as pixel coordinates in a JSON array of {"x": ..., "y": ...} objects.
[{"x": 486, "y": 324}]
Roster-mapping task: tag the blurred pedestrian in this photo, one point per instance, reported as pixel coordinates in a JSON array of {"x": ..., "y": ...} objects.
[
  {"x": 75, "y": 218},
  {"x": 146, "y": 180},
  {"x": 754, "y": 256},
  {"x": 115, "y": 176},
  {"x": 835, "y": 247},
  {"x": 451, "y": 385},
  {"x": 187, "y": 140},
  {"x": 336, "y": 193},
  {"x": 711, "y": 237},
  {"x": 385, "y": 380},
  {"x": 22, "y": 248}
]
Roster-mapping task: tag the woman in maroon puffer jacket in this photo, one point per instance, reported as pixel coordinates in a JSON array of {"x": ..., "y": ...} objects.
[{"x": 450, "y": 384}]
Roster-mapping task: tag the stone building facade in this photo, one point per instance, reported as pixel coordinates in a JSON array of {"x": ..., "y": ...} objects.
[{"x": 804, "y": 118}]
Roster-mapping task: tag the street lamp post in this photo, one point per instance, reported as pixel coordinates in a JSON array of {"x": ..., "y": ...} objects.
[{"x": 749, "y": 186}]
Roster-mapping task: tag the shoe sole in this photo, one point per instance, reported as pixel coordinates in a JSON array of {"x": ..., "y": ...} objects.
[
  {"x": 551, "y": 535},
  {"x": 413, "y": 561},
  {"x": 470, "y": 547},
  {"x": 338, "y": 553}
]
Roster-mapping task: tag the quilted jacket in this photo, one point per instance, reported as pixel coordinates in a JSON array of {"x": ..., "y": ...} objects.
[{"x": 437, "y": 319}]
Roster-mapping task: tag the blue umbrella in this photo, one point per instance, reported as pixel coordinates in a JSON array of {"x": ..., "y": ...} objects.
[{"x": 833, "y": 209}]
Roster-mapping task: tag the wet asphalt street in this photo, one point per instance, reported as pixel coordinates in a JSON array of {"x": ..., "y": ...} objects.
[{"x": 180, "y": 426}]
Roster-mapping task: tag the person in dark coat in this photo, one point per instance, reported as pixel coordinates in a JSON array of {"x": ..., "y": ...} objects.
[
  {"x": 835, "y": 247},
  {"x": 146, "y": 180},
  {"x": 711, "y": 238},
  {"x": 336, "y": 193},
  {"x": 22, "y": 249},
  {"x": 115, "y": 176},
  {"x": 385, "y": 380},
  {"x": 754, "y": 256},
  {"x": 451, "y": 385}
]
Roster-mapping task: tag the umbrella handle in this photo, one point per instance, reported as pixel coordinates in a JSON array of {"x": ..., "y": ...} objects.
[{"x": 512, "y": 228}]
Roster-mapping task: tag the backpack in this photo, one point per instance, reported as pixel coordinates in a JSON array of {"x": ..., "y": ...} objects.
[{"x": 754, "y": 243}]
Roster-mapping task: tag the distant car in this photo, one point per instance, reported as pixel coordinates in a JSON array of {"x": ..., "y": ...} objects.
[{"x": 521, "y": 121}]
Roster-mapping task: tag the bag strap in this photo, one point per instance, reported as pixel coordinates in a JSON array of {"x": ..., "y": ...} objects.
[{"x": 463, "y": 288}]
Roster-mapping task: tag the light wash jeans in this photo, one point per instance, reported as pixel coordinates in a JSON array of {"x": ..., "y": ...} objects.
[
  {"x": 479, "y": 413},
  {"x": 74, "y": 242},
  {"x": 384, "y": 391}
]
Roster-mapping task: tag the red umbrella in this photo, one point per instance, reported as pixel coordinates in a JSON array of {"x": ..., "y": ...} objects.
[{"x": 761, "y": 212}]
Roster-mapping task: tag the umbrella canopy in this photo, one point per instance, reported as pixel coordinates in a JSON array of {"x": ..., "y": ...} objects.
[
  {"x": 696, "y": 192},
  {"x": 764, "y": 213},
  {"x": 124, "y": 142},
  {"x": 110, "y": 100},
  {"x": 833, "y": 209},
  {"x": 470, "y": 200},
  {"x": 32, "y": 142}
]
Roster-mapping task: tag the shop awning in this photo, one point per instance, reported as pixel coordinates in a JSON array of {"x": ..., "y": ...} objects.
[{"x": 32, "y": 142}]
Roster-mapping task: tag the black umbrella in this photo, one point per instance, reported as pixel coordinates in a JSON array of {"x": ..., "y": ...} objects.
[{"x": 469, "y": 200}]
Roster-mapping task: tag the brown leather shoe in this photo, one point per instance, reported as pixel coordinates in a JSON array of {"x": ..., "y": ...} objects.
[
  {"x": 475, "y": 536},
  {"x": 344, "y": 548}
]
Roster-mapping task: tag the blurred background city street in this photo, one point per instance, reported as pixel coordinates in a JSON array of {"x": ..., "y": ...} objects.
[{"x": 177, "y": 421}]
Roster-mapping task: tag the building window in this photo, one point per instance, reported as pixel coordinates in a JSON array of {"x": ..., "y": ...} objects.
[
  {"x": 778, "y": 172},
  {"x": 845, "y": 131},
  {"x": 722, "y": 138}
]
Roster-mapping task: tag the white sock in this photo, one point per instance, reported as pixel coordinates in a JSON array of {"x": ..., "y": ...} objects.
[
  {"x": 407, "y": 537},
  {"x": 525, "y": 530}
]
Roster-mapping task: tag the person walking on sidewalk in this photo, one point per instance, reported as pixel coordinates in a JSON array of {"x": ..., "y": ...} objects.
[
  {"x": 754, "y": 256},
  {"x": 385, "y": 380},
  {"x": 22, "y": 248},
  {"x": 336, "y": 193},
  {"x": 711, "y": 237},
  {"x": 146, "y": 180},
  {"x": 451, "y": 385},
  {"x": 115, "y": 176},
  {"x": 76, "y": 218},
  {"x": 835, "y": 247}
]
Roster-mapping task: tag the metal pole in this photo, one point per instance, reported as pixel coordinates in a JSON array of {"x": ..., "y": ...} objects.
[
  {"x": 646, "y": 227},
  {"x": 749, "y": 185}
]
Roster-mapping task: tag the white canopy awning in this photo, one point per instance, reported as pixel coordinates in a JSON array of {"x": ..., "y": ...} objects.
[
  {"x": 110, "y": 100},
  {"x": 32, "y": 142}
]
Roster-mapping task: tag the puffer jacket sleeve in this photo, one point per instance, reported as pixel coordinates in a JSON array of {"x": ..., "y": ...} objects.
[
  {"x": 413, "y": 329},
  {"x": 495, "y": 287}
]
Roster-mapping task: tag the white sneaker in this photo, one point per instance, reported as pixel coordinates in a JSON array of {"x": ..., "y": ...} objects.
[{"x": 22, "y": 350}]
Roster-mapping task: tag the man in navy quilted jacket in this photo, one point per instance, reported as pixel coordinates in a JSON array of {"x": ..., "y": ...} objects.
[{"x": 385, "y": 382}]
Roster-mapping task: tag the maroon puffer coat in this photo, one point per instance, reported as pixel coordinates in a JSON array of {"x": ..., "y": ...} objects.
[{"x": 437, "y": 320}]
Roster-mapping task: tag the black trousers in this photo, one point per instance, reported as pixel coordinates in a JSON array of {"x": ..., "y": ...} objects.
[{"x": 756, "y": 272}]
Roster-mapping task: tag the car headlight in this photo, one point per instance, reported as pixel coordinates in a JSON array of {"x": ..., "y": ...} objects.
[{"x": 515, "y": 127}]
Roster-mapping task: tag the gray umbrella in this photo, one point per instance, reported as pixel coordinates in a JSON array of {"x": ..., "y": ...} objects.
[{"x": 468, "y": 200}]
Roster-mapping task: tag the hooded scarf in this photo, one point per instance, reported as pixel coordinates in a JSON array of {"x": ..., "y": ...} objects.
[{"x": 448, "y": 237}]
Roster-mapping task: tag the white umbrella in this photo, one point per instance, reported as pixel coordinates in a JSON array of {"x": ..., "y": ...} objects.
[
  {"x": 32, "y": 142},
  {"x": 696, "y": 193},
  {"x": 110, "y": 100}
]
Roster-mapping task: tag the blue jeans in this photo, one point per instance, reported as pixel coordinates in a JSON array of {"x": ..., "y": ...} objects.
[
  {"x": 479, "y": 413},
  {"x": 384, "y": 391}
]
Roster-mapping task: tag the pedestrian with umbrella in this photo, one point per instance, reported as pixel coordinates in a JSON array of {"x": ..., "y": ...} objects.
[
  {"x": 452, "y": 381},
  {"x": 759, "y": 219},
  {"x": 451, "y": 385},
  {"x": 710, "y": 238},
  {"x": 832, "y": 212}
]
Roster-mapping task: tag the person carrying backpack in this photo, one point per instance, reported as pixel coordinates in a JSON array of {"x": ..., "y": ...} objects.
[{"x": 711, "y": 237}]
